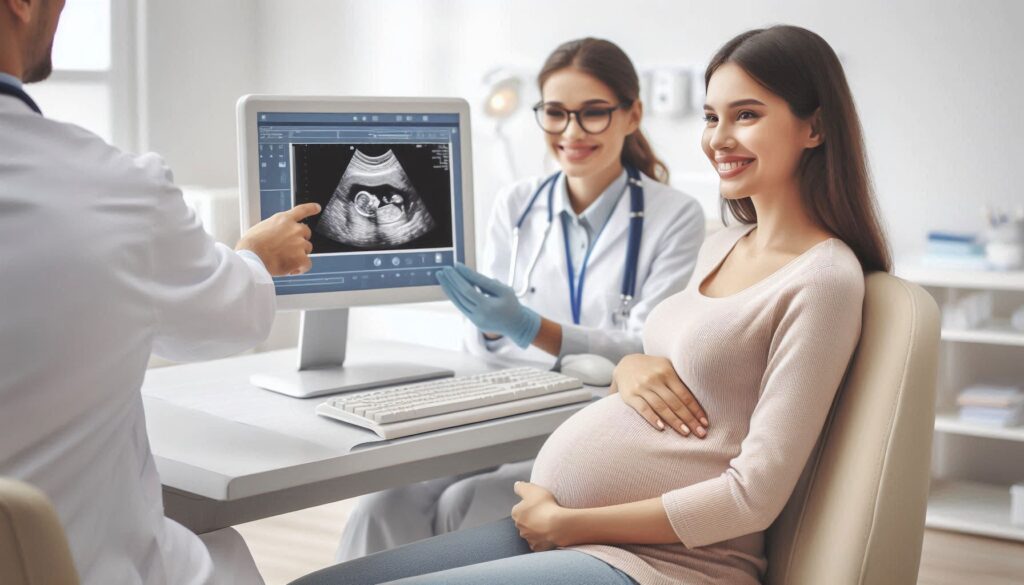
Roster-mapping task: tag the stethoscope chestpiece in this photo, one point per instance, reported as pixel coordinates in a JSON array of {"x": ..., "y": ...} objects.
[{"x": 620, "y": 316}]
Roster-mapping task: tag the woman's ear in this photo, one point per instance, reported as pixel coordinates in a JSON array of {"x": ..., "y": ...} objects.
[
  {"x": 636, "y": 113},
  {"x": 817, "y": 132}
]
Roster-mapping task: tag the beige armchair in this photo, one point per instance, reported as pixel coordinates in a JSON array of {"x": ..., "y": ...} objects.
[
  {"x": 33, "y": 549},
  {"x": 857, "y": 514}
]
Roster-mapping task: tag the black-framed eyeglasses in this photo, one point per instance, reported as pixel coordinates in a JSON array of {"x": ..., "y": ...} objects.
[{"x": 554, "y": 119}]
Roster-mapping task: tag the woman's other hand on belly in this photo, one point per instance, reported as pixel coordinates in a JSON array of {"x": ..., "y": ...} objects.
[
  {"x": 538, "y": 517},
  {"x": 545, "y": 525},
  {"x": 651, "y": 386}
]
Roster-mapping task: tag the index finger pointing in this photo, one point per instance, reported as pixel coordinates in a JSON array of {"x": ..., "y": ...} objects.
[{"x": 301, "y": 212}]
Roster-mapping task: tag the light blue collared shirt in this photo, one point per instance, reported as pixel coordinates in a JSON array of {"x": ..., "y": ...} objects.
[
  {"x": 582, "y": 229},
  {"x": 10, "y": 80}
]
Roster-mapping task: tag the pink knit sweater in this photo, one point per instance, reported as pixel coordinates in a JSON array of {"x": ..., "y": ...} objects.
[{"x": 765, "y": 363}]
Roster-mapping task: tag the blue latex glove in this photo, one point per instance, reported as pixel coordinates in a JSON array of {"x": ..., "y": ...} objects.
[{"x": 491, "y": 305}]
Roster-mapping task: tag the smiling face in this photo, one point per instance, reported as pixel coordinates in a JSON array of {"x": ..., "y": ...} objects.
[
  {"x": 752, "y": 138},
  {"x": 579, "y": 153}
]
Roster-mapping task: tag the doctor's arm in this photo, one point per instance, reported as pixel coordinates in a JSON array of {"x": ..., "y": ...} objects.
[
  {"x": 210, "y": 301},
  {"x": 809, "y": 355},
  {"x": 281, "y": 241}
]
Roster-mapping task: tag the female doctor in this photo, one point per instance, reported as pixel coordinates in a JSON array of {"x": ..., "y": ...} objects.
[{"x": 575, "y": 263}]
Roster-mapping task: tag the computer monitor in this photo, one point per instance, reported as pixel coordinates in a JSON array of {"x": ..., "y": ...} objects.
[{"x": 394, "y": 179}]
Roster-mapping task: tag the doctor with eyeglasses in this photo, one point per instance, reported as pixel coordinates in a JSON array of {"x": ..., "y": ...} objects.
[
  {"x": 575, "y": 261},
  {"x": 572, "y": 264}
]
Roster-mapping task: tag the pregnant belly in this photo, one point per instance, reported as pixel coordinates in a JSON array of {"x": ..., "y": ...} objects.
[{"x": 608, "y": 454}]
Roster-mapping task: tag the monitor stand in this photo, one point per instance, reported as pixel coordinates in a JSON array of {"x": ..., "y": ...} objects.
[{"x": 323, "y": 335}]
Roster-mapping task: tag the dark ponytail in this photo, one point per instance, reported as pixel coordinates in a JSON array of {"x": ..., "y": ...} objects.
[{"x": 606, "y": 62}]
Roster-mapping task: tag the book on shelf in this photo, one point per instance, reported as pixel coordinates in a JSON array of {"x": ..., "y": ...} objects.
[
  {"x": 946, "y": 262},
  {"x": 992, "y": 417},
  {"x": 954, "y": 251},
  {"x": 998, "y": 406}
]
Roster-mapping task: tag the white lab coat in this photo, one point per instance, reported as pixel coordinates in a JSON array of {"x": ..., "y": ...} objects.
[
  {"x": 101, "y": 263},
  {"x": 673, "y": 233}
]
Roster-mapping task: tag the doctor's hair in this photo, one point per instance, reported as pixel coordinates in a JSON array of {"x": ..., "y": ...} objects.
[
  {"x": 835, "y": 188},
  {"x": 610, "y": 65}
]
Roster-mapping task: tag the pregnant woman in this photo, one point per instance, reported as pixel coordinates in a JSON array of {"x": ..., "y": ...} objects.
[
  {"x": 574, "y": 229},
  {"x": 761, "y": 337}
]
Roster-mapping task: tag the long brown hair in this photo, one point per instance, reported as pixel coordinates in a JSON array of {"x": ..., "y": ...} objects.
[
  {"x": 605, "y": 61},
  {"x": 801, "y": 68}
]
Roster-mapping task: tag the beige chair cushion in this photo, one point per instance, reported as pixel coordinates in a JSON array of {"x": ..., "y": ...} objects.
[
  {"x": 33, "y": 550},
  {"x": 857, "y": 514}
]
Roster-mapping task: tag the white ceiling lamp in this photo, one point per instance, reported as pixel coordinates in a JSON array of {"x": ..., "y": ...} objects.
[
  {"x": 503, "y": 95},
  {"x": 502, "y": 98}
]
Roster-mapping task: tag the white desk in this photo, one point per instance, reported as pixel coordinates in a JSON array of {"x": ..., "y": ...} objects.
[{"x": 219, "y": 472}]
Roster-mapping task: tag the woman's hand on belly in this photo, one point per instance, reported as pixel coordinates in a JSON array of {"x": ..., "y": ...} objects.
[
  {"x": 545, "y": 525},
  {"x": 651, "y": 386},
  {"x": 538, "y": 517}
]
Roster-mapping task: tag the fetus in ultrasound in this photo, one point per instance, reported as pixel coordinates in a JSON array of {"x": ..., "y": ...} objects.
[{"x": 375, "y": 205}]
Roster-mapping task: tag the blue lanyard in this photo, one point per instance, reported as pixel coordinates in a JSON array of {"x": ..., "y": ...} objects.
[
  {"x": 636, "y": 223},
  {"x": 14, "y": 91},
  {"x": 576, "y": 289}
]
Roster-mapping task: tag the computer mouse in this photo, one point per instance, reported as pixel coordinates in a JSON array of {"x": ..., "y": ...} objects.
[{"x": 592, "y": 370}]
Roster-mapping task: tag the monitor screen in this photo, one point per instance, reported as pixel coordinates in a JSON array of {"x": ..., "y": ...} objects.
[{"x": 389, "y": 188}]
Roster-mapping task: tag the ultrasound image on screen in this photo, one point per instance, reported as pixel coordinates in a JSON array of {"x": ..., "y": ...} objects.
[{"x": 375, "y": 196}]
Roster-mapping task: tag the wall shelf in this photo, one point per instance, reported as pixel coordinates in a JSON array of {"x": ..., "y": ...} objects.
[
  {"x": 974, "y": 508},
  {"x": 989, "y": 335},
  {"x": 969, "y": 279},
  {"x": 961, "y": 499},
  {"x": 949, "y": 423}
]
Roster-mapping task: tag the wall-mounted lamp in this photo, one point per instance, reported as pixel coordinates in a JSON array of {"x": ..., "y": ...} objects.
[
  {"x": 503, "y": 97},
  {"x": 504, "y": 94}
]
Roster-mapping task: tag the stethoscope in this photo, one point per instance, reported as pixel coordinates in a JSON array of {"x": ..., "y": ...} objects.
[
  {"x": 620, "y": 316},
  {"x": 14, "y": 91}
]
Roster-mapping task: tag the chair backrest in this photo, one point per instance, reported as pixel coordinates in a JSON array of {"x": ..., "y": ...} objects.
[
  {"x": 33, "y": 549},
  {"x": 857, "y": 515}
]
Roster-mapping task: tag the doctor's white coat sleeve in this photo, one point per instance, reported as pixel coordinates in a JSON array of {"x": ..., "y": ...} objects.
[
  {"x": 670, "y": 268},
  {"x": 209, "y": 301}
]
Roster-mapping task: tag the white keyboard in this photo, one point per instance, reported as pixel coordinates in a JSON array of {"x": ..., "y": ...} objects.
[{"x": 400, "y": 411}]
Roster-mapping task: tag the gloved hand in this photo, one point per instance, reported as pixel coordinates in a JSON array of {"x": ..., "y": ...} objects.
[{"x": 491, "y": 305}]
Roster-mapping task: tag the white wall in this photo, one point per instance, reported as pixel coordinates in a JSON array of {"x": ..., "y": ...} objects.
[
  {"x": 935, "y": 81},
  {"x": 196, "y": 58}
]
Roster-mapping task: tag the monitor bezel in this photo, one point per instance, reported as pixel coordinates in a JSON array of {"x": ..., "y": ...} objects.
[{"x": 249, "y": 183}]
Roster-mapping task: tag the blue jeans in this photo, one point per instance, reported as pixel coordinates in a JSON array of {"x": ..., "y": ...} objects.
[{"x": 492, "y": 554}]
